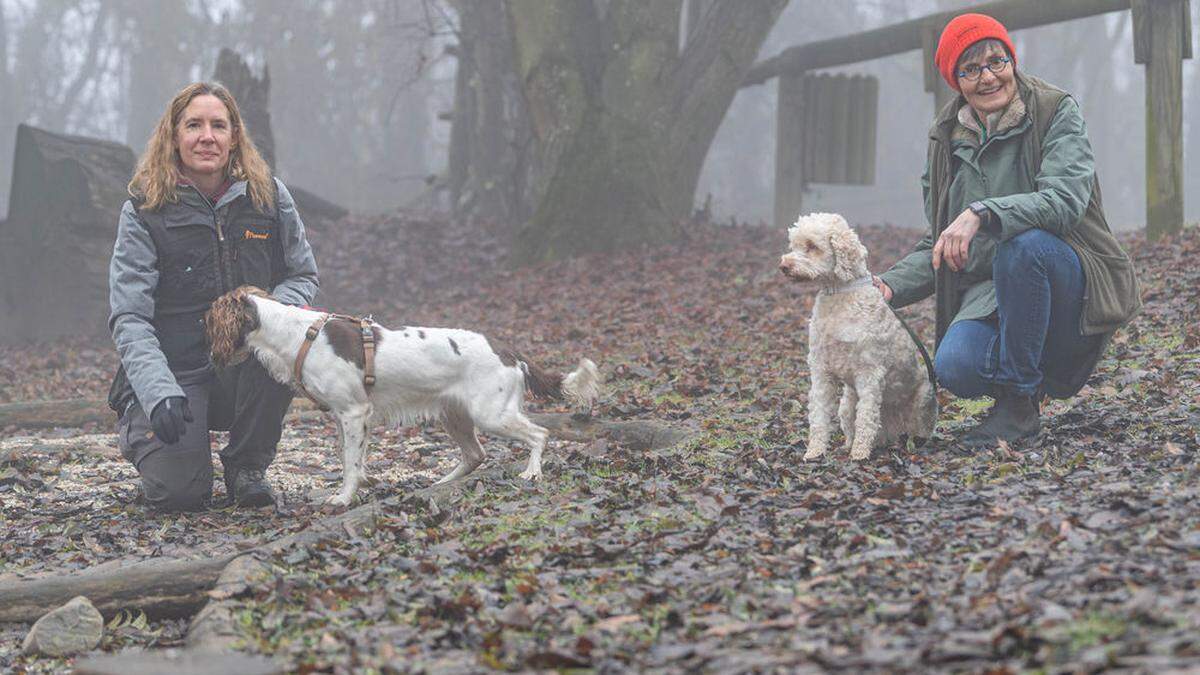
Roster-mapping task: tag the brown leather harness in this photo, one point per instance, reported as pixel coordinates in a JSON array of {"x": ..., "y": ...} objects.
[{"x": 310, "y": 336}]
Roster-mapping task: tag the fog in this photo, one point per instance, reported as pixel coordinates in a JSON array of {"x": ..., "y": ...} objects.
[{"x": 361, "y": 92}]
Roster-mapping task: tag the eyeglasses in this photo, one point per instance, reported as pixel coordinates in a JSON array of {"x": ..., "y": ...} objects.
[{"x": 996, "y": 64}]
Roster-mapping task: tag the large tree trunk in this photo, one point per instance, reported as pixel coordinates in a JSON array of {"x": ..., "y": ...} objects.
[
  {"x": 622, "y": 120},
  {"x": 491, "y": 166},
  {"x": 1192, "y": 115}
]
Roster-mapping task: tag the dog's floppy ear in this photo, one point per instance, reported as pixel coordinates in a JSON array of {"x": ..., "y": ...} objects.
[
  {"x": 226, "y": 323},
  {"x": 848, "y": 252}
]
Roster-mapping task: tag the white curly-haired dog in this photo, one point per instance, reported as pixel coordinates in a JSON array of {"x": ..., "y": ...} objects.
[{"x": 856, "y": 344}]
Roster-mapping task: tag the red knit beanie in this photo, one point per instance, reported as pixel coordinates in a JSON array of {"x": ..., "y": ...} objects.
[{"x": 962, "y": 32}]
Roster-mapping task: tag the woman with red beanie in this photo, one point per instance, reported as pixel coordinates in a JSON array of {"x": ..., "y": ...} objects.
[{"x": 1029, "y": 282}]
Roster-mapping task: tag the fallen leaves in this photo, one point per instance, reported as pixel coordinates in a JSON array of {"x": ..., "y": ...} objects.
[{"x": 724, "y": 552}]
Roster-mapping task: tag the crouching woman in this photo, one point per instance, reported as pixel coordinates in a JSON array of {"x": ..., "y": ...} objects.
[
  {"x": 1029, "y": 282},
  {"x": 205, "y": 217}
]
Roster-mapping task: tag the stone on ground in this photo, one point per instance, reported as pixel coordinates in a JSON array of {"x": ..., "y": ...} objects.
[{"x": 73, "y": 628}]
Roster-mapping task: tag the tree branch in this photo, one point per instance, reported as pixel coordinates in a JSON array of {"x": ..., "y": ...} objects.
[
  {"x": 711, "y": 68},
  {"x": 87, "y": 70}
]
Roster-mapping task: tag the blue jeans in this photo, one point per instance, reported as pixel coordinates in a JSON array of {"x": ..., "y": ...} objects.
[{"x": 1035, "y": 329}]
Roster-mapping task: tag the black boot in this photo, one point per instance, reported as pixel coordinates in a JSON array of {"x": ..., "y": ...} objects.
[
  {"x": 1013, "y": 417},
  {"x": 248, "y": 487}
]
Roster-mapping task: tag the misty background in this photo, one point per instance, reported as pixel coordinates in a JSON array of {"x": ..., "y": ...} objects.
[{"x": 361, "y": 92}]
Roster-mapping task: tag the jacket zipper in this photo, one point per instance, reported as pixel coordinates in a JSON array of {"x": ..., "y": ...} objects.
[{"x": 220, "y": 241}]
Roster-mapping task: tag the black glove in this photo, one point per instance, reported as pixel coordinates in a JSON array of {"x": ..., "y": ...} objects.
[{"x": 169, "y": 419}]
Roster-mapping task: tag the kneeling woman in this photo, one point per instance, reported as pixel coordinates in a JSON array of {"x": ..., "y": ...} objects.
[
  {"x": 1029, "y": 281},
  {"x": 205, "y": 217}
]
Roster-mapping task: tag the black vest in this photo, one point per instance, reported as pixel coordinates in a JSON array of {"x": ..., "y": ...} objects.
[{"x": 202, "y": 254}]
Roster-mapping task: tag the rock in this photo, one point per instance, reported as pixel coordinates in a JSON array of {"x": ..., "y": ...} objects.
[{"x": 73, "y": 628}]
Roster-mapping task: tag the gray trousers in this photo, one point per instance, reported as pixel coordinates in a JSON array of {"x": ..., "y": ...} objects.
[{"x": 242, "y": 400}]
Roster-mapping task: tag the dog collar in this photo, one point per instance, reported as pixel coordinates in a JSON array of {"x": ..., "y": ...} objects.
[{"x": 867, "y": 280}]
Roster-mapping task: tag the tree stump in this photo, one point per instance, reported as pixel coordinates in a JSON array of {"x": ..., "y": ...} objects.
[
  {"x": 67, "y": 192},
  {"x": 253, "y": 95}
]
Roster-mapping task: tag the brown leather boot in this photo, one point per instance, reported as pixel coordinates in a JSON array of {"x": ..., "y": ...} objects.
[{"x": 1013, "y": 417}]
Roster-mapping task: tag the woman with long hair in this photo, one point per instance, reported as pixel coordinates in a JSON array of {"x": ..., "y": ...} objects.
[{"x": 204, "y": 217}]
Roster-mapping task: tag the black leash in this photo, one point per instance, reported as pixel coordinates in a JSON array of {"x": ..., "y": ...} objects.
[{"x": 921, "y": 346}]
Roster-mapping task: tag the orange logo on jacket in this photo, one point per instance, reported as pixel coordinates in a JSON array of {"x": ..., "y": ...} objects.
[{"x": 251, "y": 234}]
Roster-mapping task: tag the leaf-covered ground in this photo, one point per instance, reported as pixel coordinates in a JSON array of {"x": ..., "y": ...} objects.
[{"x": 1079, "y": 551}]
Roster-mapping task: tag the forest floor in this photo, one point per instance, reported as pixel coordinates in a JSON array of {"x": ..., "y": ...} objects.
[{"x": 1077, "y": 551}]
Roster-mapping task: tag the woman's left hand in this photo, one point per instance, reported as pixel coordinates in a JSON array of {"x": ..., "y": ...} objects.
[{"x": 954, "y": 244}]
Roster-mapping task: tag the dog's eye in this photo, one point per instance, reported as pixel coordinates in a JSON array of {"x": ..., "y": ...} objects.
[{"x": 810, "y": 247}]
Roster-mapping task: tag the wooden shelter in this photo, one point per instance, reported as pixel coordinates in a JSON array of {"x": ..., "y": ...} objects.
[{"x": 1162, "y": 39}]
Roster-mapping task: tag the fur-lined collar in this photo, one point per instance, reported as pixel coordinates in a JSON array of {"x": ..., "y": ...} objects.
[{"x": 997, "y": 122}]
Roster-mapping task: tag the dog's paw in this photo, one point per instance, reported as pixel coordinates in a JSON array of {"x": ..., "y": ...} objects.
[
  {"x": 859, "y": 454},
  {"x": 532, "y": 474},
  {"x": 813, "y": 453}
]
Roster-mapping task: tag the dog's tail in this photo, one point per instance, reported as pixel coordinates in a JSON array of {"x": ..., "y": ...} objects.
[{"x": 580, "y": 387}]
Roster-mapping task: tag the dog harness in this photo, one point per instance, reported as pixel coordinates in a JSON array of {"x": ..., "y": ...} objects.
[{"x": 310, "y": 336}]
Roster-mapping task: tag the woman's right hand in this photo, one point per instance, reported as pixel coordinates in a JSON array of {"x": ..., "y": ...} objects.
[
  {"x": 883, "y": 288},
  {"x": 169, "y": 419}
]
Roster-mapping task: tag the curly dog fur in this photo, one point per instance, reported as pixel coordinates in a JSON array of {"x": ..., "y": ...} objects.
[{"x": 855, "y": 345}]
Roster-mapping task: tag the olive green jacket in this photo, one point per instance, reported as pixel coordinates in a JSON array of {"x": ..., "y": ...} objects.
[{"x": 1037, "y": 172}]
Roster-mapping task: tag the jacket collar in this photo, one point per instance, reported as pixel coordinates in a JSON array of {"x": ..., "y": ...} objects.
[
  {"x": 231, "y": 191},
  {"x": 996, "y": 123}
]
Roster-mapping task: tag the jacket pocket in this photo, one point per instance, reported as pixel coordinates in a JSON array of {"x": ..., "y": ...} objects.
[
  {"x": 190, "y": 275},
  {"x": 1111, "y": 295},
  {"x": 254, "y": 247},
  {"x": 135, "y": 437}
]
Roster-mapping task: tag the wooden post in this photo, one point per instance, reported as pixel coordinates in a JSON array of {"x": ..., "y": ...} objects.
[
  {"x": 934, "y": 83},
  {"x": 1161, "y": 40},
  {"x": 789, "y": 150}
]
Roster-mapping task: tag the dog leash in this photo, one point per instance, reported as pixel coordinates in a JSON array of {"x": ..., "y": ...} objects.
[
  {"x": 921, "y": 346},
  {"x": 868, "y": 280},
  {"x": 310, "y": 336}
]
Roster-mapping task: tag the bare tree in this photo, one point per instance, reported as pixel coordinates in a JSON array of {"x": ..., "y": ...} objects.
[
  {"x": 491, "y": 160},
  {"x": 622, "y": 119}
]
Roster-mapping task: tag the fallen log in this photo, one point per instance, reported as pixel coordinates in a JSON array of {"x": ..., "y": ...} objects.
[
  {"x": 164, "y": 589},
  {"x": 636, "y": 434},
  {"x": 18, "y": 447},
  {"x": 72, "y": 412},
  {"x": 633, "y": 434}
]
